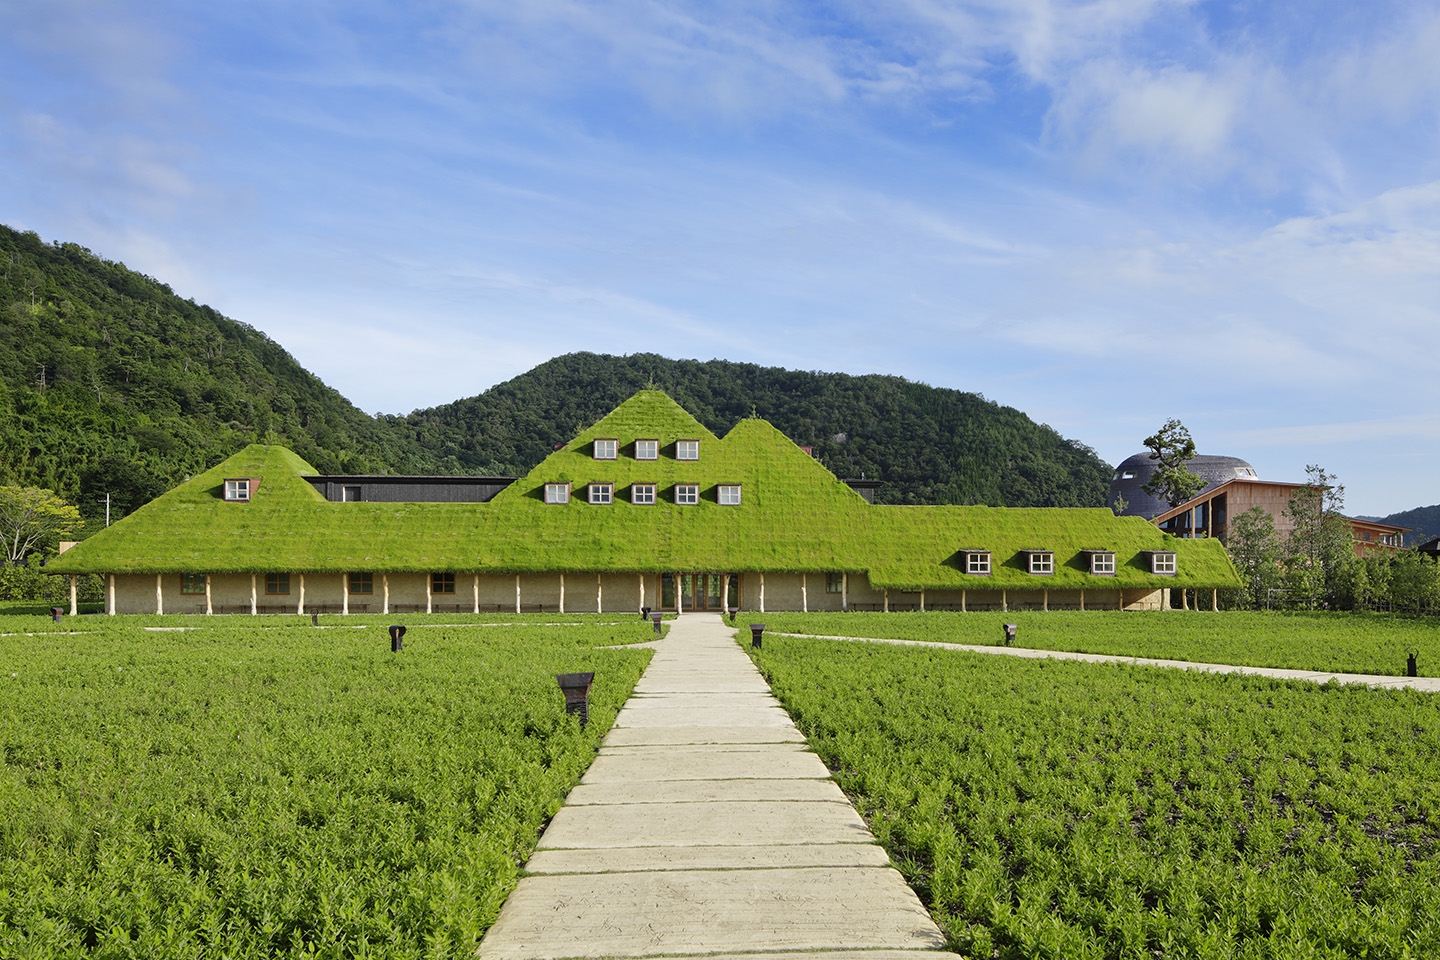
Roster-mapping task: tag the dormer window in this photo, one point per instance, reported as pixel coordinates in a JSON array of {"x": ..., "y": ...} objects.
[
  {"x": 729, "y": 495},
  {"x": 687, "y": 493},
  {"x": 977, "y": 562},
  {"x": 642, "y": 493},
  {"x": 1102, "y": 563},
  {"x": 647, "y": 449},
  {"x": 1162, "y": 562},
  {"x": 1040, "y": 563},
  {"x": 606, "y": 449},
  {"x": 557, "y": 493},
  {"x": 237, "y": 490},
  {"x": 687, "y": 450},
  {"x": 602, "y": 493}
]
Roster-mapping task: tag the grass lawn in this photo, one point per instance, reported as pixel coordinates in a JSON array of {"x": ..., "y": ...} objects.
[
  {"x": 258, "y": 788},
  {"x": 1340, "y": 642},
  {"x": 1070, "y": 810}
]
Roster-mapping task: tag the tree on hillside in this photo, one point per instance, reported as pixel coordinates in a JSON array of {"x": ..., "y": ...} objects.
[
  {"x": 1319, "y": 552},
  {"x": 1256, "y": 551},
  {"x": 1171, "y": 448},
  {"x": 31, "y": 517}
]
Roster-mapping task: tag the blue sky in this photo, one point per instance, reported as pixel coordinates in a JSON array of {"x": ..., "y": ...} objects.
[{"x": 1103, "y": 213}]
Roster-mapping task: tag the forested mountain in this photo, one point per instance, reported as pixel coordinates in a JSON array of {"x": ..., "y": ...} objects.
[
  {"x": 1425, "y": 521},
  {"x": 111, "y": 383},
  {"x": 928, "y": 445}
]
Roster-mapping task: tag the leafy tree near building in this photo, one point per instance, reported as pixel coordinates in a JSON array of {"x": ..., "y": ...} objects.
[
  {"x": 1172, "y": 447},
  {"x": 1255, "y": 549},
  {"x": 1319, "y": 553},
  {"x": 32, "y": 518}
]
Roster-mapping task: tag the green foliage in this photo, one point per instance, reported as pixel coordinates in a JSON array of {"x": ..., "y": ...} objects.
[
  {"x": 109, "y": 382},
  {"x": 1335, "y": 642},
  {"x": 1171, "y": 447},
  {"x": 1255, "y": 549},
  {"x": 1047, "y": 809},
  {"x": 1319, "y": 552},
  {"x": 929, "y": 445},
  {"x": 795, "y": 517},
  {"x": 34, "y": 520},
  {"x": 246, "y": 791}
]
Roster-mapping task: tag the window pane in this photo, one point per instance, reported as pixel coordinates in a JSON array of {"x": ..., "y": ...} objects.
[
  {"x": 362, "y": 583},
  {"x": 605, "y": 449},
  {"x": 647, "y": 449},
  {"x": 687, "y": 450}
]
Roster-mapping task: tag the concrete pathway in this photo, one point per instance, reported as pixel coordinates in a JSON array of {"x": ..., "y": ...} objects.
[
  {"x": 1382, "y": 681},
  {"x": 705, "y": 826}
]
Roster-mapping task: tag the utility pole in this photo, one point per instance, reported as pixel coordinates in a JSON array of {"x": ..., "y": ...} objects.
[{"x": 107, "y": 509}]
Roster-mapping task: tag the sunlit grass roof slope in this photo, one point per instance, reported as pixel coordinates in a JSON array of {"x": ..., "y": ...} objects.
[{"x": 794, "y": 516}]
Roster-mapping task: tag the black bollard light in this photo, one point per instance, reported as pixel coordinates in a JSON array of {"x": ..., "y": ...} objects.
[
  {"x": 757, "y": 631},
  {"x": 644, "y": 613},
  {"x": 56, "y": 613},
  {"x": 397, "y": 638},
  {"x": 655, "y": 619},
  {"x": 315, "y": 619},
  {"x": 576, "y": 687},
  {"x": 1412, "y": 669},
  {"x": 1010, "y": 629},
  {"x": 732, "y": 615}
]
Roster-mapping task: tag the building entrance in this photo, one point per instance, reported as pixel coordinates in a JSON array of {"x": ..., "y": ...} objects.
[{"x": 700, "y": 591}]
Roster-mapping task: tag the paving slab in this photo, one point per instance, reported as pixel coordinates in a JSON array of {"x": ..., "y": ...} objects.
[
  {"x": 700, "y": 791},
  {"x": 710, "y": 911},
  {"x": 705, "y": 827},
  {"x": 718, "y": 823},
  {"x": 748, "y": 857}
]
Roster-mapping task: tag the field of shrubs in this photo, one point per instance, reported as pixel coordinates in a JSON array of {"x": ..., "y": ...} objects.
[
  {"x": 262, "y": 788},
  {"x": 1070, "y": 810},
  {"x": 1341, "y": 642}
]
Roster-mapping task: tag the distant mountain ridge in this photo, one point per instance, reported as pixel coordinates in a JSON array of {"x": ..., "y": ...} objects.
[
  {"x": 1425, "y": 521},
  {"x": 110, "y": 383}
]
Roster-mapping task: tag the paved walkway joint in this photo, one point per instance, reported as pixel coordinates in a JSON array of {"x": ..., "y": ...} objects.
[{"x": 706, "y": 827}]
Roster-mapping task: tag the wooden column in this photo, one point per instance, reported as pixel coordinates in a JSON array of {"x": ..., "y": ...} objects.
[
  {"x": 725, "y": 591},
  {"x": 1045, "y": 600},
  {"x": 300, "y": 607},
  {"x": 517, "y": 593},
  {"x": 110, "y": 601},
  {"x": 762, "y": 593},
  {"x": 599, "y": 595},
  {"x": 562, "y": 593},
  {"x": 962, "y": 601},
  {"x": 887, "y": 598},
  {"x": 844, "y": 591},
  {"x": 1214, "y": 600},
  {"x": 159, "y": 598},
  {"x": 679, "y": 595},
  {"x": 207, "y": 594},
  {"x": 477, "y": 593},
  {"x": 385, "y": 584},
  {"x": 74, "y": 598},
  {"x": 922, "y": 599},
  {"x": 1004, "y": 602},
  {"x": 804, "y": 595},
  {"x": 254, "y": 599},
  {"x": 345, "y": 594},
  {"x": 642, "y": 588},
  {"x": 1082, "y": 601},
  {"x": 428, "y": 597}
]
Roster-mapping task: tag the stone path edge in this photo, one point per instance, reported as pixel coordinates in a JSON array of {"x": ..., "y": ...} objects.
[{"x": 1378, "y": 681}]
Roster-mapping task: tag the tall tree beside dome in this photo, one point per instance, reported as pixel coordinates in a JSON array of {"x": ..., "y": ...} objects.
[{"x": 1171, "y": 447}]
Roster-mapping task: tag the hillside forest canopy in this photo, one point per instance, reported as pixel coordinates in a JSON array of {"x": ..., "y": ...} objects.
[{"x": 111, "y": 383}]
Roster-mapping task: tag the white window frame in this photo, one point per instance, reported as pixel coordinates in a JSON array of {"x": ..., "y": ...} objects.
[
  {"x": 977, "y": 563},
  {"x": 237, "y": 491},
  {"x": 606, "y": 449},
  {"x": 1163, "y": 563},
  {"x": 601, "y": 493},
  {"x": 642, "y": 494},
  {"x": 690, "y": 447},
  {"x": 1041, "y": 563},
  {"x": 1102, "y": 564},
  {"x": 687, "y": 494},
  {"x": 557, "y": 493},
  {"x": 647, "y": 449},
  {"x": 729, "y": 494}
]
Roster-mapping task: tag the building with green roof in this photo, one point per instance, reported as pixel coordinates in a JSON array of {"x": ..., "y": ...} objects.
[{"x": 646, "y": 508}]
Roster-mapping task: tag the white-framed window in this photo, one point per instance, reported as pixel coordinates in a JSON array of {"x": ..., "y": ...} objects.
[
  {"x": 1102, "y": 564},
  {"x": 1162, "y": 563},
  {"x": 977, "y": 563},
  {"x": 686, "y": 493},
  {"x": 557, "y": 493},
  {"x": 687, "y": 449},
  {"x": 237, "y": 490},
  {"x": 606, "y": 449},
  {"x": 642, "y": 493},
  {"x": 647, "y": 449},
  {"x": 1042, "y": 563},
  {"x": 729, "y": 494},
  {"x": 602, "y": 492}
]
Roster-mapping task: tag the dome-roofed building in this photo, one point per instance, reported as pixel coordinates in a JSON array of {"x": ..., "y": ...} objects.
[{"x": 1134, "y": 472}]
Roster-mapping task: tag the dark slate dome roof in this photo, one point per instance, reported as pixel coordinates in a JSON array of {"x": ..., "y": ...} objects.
[{"x": 1134, "y": 472}]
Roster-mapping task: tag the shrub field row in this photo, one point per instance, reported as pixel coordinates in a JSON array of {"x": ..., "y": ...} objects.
[{"x": 1069, "y": 810}]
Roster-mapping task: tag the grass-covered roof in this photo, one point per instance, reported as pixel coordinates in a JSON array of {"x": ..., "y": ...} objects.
[{"x": 794, "y": 516}]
